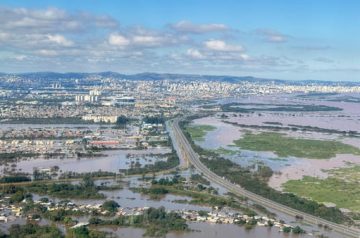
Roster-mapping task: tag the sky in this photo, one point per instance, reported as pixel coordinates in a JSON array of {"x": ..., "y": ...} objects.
[{"x": 293, "y": 40}]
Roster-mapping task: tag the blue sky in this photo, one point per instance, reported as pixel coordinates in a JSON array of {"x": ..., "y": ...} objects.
[{"x": 300, "y": 39}]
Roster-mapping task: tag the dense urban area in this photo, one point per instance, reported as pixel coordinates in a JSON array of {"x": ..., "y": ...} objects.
[{"x": 171, "y": 155}]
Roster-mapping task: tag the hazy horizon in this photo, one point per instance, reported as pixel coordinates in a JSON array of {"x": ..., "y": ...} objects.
[{"x": 195, "y": 74}]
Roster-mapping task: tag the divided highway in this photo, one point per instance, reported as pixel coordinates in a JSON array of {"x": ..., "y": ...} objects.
[{"x": 187, "y": 151}]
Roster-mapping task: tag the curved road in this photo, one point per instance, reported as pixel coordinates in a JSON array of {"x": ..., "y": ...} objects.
[{"x": 192, "y": 157}]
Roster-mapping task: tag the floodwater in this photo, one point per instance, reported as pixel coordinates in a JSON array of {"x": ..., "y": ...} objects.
[
  {"x": 199, "y": 230},
  {"x": 112, "y": 161},
  {"x": 222, "y": 136},
  {"x": 129, "y": 199},
  {"x": 314, "y": 168},
  {"x": 287, "y": 168},
  {"x": 107, "y": 160},
  {"x": 320, "y": 120},
  {"x": 207, "y": 230}
]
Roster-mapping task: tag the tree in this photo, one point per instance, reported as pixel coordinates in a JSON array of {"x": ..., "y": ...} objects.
[
  {"x": 122, "y": 121},
  {"x": 203, "y": 213},
  {"x": 44, "y": 199},
  {"x": 36, "y": 174},
  {"x": 17, "y": 197},
  {"x": 154, "y": 120},
  {"x": 252, "y": 222},
  {"x": 34, "y": 230},
  {"x": 265, "y": 172},
  {"x": 298, "y": 230},
  {"x": 88, "y": 182},
  {"x": 287, "y": 229},
  {"x": 95, "y": 221},
  {"x": 68, "y": 220},
  {"x": 110, "y": 206},
  {"x": 3, "y": 235},
  {"x": 14, "y": 179},
  {"x": 80, "y": 232}
]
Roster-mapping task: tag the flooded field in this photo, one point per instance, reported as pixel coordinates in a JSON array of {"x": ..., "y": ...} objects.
[
  {"x": 233, "y": 126},
  {"x": 110, "y": 161},
  {"x": 199, "y": 229},
  {"x": 205, "y": 230},
  {"x": 75, "y": 148},
  {"x": 129, "y": 199}
]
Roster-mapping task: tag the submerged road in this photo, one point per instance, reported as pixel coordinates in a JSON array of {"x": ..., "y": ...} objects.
[{"x": 186, "y": 152}]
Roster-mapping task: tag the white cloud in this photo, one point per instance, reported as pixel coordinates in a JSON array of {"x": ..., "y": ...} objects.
[
  {"x": 45, "y": 52},
  {"x": 43, "y": 39},
  {"x": 48, "y": 14},
  {"x": 189, "y": 27},
  {"x": 141, "y": 38},
  {"x": 118, "y": 40},
  {"x": 276, "y": 38},
  {"x": 245, "y": 56},
  {"x": 51, "y": 20},
  {"x": 60, "y": 40},
  {"x": 216, "y": 51},
  {"x": 219, "y": 45},
  {"x": 148, "y": 40},
  {"x": 4, "y": 36},
  {"x": 272, "y": 36},
  {"x": 20, "y": 57},
  {"x": 195, "y": 54}
]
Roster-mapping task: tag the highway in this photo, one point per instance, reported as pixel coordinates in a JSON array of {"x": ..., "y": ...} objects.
[{"x": 193, "y": 158}]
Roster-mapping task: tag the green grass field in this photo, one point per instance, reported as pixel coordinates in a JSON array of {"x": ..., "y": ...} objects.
[
  {"x": 351, "y": 174},
  {"x": 198, "y": 132},
  {"x": 342, "y": 187},
  {"x": 223, "y": 151},
  {"x": 285, "y": 146}
]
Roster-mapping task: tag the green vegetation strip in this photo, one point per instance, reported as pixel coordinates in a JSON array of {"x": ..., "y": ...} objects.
[
  {"x": 198, "y": 132},
  {"x": 342, "y": 188},
  {"x": 84, "y": 190},
  {"x": 223, "y": 151},
  {"x": 31, "y": 230},
  {"x": 255, "y": 183},
  {"x": 285, "y": 146}
]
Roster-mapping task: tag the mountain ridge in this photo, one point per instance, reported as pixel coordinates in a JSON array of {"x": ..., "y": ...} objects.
[{"x": 151, "y": 76}]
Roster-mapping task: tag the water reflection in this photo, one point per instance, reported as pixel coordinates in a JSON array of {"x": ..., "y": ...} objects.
[{"x": 111, "y": 161}]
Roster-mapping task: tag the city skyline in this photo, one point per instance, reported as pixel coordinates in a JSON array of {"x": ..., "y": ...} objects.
[{"x": 300, "y": 40}]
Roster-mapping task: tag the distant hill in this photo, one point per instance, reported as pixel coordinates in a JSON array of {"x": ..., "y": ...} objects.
[
  {"x": 140, "y": 76},
  {"x": 42, "y": 77}
]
